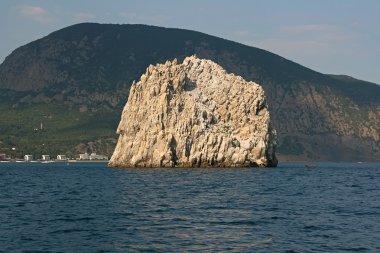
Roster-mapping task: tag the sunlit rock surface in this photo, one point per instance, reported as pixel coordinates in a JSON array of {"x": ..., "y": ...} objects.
[{"x": 194, "y": 114}]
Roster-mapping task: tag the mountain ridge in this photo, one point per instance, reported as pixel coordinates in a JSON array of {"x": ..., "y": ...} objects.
[{"x": 89, "y": 69}]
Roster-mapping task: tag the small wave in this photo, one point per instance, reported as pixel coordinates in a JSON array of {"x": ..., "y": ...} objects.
[
  {"x": 73, "y": 219},
  {"x": 311, "y": 227},
  {"x": 125, "y": 214},
  {"x": 67, "y": 231},
  {"x": 263, "y": 241},
  {"x": 356, "y": 249},
  {"x": 242, "y": 223}
]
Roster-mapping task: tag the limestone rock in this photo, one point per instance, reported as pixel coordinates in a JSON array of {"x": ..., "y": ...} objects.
[{"x": 194, "y": 114}]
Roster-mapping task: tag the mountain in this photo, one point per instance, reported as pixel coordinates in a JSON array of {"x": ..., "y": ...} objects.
[{"x": 75, "y": 82}]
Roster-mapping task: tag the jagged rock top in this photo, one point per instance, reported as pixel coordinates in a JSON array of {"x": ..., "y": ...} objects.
[{"x": 194, "y": 114}]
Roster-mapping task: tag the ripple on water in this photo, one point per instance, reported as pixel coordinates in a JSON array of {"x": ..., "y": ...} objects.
[{"x": 90, "y": 208}]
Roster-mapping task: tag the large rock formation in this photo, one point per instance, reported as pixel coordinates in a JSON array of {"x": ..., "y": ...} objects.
[{"x": 194, "y": 114}]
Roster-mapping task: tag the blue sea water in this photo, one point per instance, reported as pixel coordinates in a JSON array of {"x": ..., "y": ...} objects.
[{"x": 87, "y": 207}]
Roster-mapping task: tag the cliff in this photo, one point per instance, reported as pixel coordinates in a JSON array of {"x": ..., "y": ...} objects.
[{"x": 194, "y": 114}]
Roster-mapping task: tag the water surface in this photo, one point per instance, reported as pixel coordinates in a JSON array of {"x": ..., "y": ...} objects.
[{"x": 86, "y": 207}]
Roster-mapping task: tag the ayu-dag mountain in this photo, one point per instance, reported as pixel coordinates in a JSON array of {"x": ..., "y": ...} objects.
[{"x": 64, "y": 93}]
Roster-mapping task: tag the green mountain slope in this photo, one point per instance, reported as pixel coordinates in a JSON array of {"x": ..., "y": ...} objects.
[{"x": 76, "y": 81}]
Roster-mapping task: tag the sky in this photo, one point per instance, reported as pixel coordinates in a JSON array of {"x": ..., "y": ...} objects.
[{"x": 329, "y": 36}]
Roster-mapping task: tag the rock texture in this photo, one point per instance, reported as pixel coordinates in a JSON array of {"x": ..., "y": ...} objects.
[{"x": 194, "y": 114}]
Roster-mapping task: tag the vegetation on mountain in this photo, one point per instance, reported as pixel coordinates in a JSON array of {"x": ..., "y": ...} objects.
[{"x": 76, "y": 81}]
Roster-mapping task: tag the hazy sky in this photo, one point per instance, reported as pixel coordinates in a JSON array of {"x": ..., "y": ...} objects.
[{"x": 330, "y": 36}]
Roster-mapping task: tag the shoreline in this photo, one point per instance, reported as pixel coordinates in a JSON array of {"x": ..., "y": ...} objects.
[{"x": 66, "y": 161}]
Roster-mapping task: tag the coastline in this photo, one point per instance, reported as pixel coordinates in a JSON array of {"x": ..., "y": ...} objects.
[{"x": 66, "y": 161}]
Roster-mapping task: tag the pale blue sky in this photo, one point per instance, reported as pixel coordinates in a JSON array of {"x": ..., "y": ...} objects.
[{"x": 330, "y": 36}]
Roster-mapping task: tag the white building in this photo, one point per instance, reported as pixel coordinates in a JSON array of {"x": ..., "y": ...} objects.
[
  {"x": 94, "y": 156},
  {"x": 45, "y": 157},
  {"x": 28, "y": 158},
  {"x": 84, "y": 156},
  {"x": 61, "y": 157}
]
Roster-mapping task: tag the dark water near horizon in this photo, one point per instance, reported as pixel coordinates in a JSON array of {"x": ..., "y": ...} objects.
[{"x": 86, "y": 207}]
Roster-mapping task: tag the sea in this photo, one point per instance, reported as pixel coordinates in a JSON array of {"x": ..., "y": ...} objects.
[{"x": 87, "y": 207}]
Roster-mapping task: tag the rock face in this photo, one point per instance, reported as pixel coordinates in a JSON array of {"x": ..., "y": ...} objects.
[{"x": 194, "y": 114}]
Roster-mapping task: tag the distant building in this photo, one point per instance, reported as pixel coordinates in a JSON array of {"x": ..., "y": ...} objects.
[
  {"x": 45, "y": 157},
  {"x": 28, "y": 158},
  {"x": 84, "y": 156},
  {"x": 94, "y": 156},
  {"x": 3, "y": 157},
  {"x": 61, "y": 157}
]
